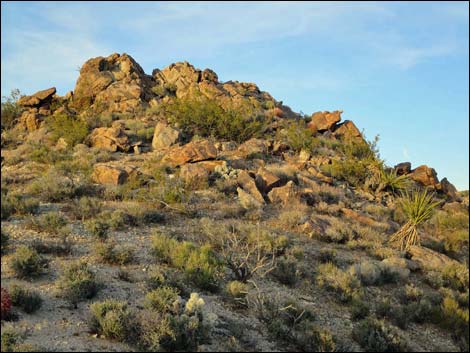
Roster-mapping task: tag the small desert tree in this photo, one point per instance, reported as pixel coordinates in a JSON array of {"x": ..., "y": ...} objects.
[{"x": 418, "y": 207}]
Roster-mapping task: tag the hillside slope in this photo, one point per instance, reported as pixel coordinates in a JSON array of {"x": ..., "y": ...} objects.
[{"x": 173, "y": 211}]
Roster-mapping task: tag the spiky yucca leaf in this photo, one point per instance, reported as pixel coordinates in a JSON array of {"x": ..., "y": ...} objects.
[
  {"x": 418, "y": 207},
  {"x": 392, "y": 181}
]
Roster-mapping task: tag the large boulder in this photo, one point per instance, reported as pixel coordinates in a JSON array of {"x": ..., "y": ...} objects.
[
  {"x": 265, "y": 180},
  {"x": 322, "y": 121},
  {"x": 111, "y": 139},
  {"x": 248, "y": 184},
  {"x": 247, "y": 201},
  {"x": 116, "y": 83},
  {"x": 348, "y": 131},
  {"x": 194, "y": 151},
  {"x": 194, "y": 173},
  {"x": 284, "y": 194},
  {"x": 429, "y": 259},
  {"x": 252, "y": 147},
  {"x": 107, "y": 174},
  {"x": 448, "y": 189},
  {"x": 425, "y": 176},
  {"x": 30, "y": 120},
  {"x": 164, "y": 136},
  {"x": 403, "y": 168},
  {"x": 37, "y": 99}
]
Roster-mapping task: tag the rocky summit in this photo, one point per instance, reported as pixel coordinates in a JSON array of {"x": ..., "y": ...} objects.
[{"x": 174, "y": 212}]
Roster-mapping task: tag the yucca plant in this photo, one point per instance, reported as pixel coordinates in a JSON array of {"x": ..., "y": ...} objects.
[
  {"x": 393, "y": 182},
  {"x": 418, "y": 206}
]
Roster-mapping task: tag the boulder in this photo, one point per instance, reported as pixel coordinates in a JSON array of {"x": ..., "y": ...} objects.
[
  {"x": 194, "y": 151},
  {"x": 29, "y": 121},
  {"x": 403, "y": 168},
  {"x": 247, "y": 201},
  {"x": 194, "y": 173},
  {"x": 164, "y": 136},
  {"x": 348, "y": 131},
  {"x": 284, "y": 194},
  {"x": 266, "y": 180},
  {"x": 38, "y": 98},
  {"x": 448, "y": 189},
  {"x": 320, "y": 176},
  {"x": 425, "y": 176},
  {"x": 322, "y": 121},
  {"x": 116, "y": 83},
  {"x": 252, "y": 147},
  {"x": 429, "y": 259},
  {"x": 360, "y": 218},
  {"x": 111, "y": 139},
  {"x": 107, "y": 174},
  {"x": 248, "y": 184},
  {"x": 402, "y": 263}
]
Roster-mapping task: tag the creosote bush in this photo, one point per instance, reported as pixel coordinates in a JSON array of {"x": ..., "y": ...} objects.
[
  {"x": 342, "y": 283},
  {"x": 71, "y": 129},
  {"x": 77, "y": 282},
  {"x": 28, "y": 300},
  {"x": 110, "y": 254},
  {"x": 27, "y": 263},
  {"x": 376, "y": 336}
]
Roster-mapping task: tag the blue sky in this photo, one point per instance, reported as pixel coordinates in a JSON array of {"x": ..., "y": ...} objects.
[{"x": 396, "y": 69}]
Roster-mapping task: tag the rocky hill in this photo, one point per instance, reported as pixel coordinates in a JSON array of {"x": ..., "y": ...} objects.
[{"x": 173, "y": 211}]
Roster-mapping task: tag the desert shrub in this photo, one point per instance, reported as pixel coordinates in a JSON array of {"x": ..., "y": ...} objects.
[
  {"x": 26, "y": 299},
  {"x": 10, "y": 340},
  {"x": 200, "y": 265},
  {"x": 286, "y": 271},
  {"x": 13, "y": 204},
  {"x": 155, "y": 278},
  {"x": 110, "y": 254},
  {"x": 11, "y": 111},
  {"x": 237, "y": 292},
  {"x": 390, "y": 181},
  {"x": 97, "y": 228},
  {"x": 328, "y": 255},
  {"x": 344, "y": 285},
  {"x": 359, "y": 309},
  {"x": 298, "y": 137},
  {"x": 60, "y": 247},
  {"x": 77, "y": 282},
  {"x": 205, "y": 117},
  {"x": 44, "y": 154},
  {"x": 183, "y": 329},
  {"x": 86, "y": 207},
  {"x": 316, "y": 339},
  {"x": 53, "y": 186},
  {"x": 354, "y": 172},
  {"x": 4, "y": 240},
  {"x": 117, "y": 220},
  {"x": 71, "y": 129},
  {"x": 455, "y": 276},
  {"x": 27, "y": 263},
  {"x": 455, "y": 318},
  {"x": 337, "y": 233},
  {"x": 5, "y": 305},
  {"x": 113, "y": 319},
  {"x": 51, "y": 222},
  {"x": 376, "y": 336},
  {"x": 412, "y": 293},
  {"x": 161, "y": 299}
]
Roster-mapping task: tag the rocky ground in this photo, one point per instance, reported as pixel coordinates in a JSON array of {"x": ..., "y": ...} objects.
[{"x": 281, "y": 224}]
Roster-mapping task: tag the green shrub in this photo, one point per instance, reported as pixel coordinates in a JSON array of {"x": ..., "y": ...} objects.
[
  {"x": 181, "y": 330},
  {"x": 237, "y": 292},
  {"x": 113, "y": 319},
  {"x": 205, "y": 117},
  {"x": 26, "y": 299},
  {"x": 455, "y": 319},
  {"x": 455, "y": 276},
  {"x": 328, "y": 255},
  {"x": 110, "y": 254},
  {"x": 97, "y": 228},
  {"x": 11, "y": 111},
  {"x": 10, "y": 340},
  {"x": 286, "y": 271},
  {"x": 199, "y": 264},
  {"x": 51, "y": 222},
  {"x": 86, "y": 207},
  {"x": 18, "y": 205},
  {"x": 71, "y": 129},
  {"x": 316, "y": 339},
  {"x": 359, "y": 309},
  {"x": 342, "y": 283},
  {"x": 59, "y": 247},
  {"x": 4, "y": 240},
  {"x": 53, "y": 186},
  {"x": 376, "y": 336},
  {"x": 161, "y": 299},
  {"x": 298, "y": 137},
  {"x": 27, "y": 263},
  {"x": 77, "y": 282}
]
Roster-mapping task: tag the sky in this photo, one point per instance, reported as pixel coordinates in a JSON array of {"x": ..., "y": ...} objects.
[{"x": 399, "y": 70}]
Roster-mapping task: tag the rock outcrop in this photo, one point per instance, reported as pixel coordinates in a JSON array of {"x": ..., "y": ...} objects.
[
  {"x": 195, "y": 151},
  {"x": 164, "y": 136},
  {"x": 322, "y": 121}
]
